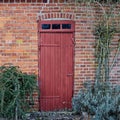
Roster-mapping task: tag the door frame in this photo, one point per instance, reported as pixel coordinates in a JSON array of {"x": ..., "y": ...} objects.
[{"x": 40, "y": 30}]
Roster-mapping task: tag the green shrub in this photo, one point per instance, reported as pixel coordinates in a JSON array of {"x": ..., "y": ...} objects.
[
  {"x": 101, "y": 100},
  {"x": 16, "y": 90}
]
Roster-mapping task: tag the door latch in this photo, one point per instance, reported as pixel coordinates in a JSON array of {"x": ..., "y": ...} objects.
[{"x": 69, "y": 74}]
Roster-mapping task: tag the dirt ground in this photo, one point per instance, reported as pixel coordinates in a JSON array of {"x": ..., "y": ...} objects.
[{"x": 54, "y": 116}]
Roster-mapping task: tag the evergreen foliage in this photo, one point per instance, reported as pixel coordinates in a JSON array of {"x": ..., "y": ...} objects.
[{"x": 16, "y": 90}]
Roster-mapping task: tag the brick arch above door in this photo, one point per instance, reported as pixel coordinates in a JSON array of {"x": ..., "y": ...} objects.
[{"x": 56, "y": 16}]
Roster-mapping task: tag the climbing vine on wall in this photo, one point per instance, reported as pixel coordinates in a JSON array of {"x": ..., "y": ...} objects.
[
  {"x": 101, "y": 101},
  {"x": 104, "y": 33},
  {"x": 107, "y": 25}
]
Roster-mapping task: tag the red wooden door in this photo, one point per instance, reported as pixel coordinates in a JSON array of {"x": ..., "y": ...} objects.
[{"x": 56, "y": 64}]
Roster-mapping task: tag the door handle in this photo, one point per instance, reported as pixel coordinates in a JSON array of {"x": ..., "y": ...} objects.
[{"x": 69, "y": 74}]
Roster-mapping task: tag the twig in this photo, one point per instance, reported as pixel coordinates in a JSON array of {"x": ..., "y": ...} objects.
[{"x": 116, "y": 56}]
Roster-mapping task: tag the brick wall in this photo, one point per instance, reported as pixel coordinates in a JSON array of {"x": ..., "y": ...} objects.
[{"x": 19, "y": 40}]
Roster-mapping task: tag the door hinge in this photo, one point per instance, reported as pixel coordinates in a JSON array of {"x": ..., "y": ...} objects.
[{"x": 73, "y": 41}]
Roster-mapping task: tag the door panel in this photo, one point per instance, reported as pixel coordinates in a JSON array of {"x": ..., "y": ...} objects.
[
  {"x": 49, "y": 72},
  {"x": 66, "y": 69}
]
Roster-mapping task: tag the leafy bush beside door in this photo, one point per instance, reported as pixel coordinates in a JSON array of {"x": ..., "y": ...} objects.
[
  {"x": 100, "y": 100},
  {"x": 16, "y": 89}
]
